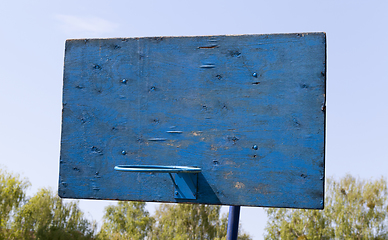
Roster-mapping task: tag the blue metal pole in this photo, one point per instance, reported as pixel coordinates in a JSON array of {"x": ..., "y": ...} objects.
[{"x": 233, "y": 222}]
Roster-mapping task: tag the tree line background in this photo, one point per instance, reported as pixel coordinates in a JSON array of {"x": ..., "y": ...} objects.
[
  {"x": 46, "y": 216},
  {"x": 354, "y": 209}
]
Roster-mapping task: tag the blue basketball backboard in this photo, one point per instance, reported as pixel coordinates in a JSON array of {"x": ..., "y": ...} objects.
[{"x": 230, "y": 120}]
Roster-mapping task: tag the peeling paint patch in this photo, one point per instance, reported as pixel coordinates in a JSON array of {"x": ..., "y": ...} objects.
[
  {"x": 239, "y": 185},
  {"x": 196, "y": 133},
  {"x": 228, "y": 174}
]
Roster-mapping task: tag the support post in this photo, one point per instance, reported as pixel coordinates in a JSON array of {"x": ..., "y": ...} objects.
[{"x": 233, "y": 222}]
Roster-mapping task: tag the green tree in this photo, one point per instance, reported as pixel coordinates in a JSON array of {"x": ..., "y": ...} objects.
[
  {"x": 46, "y": 216},
  {"x": 126, "y": 220},
  {"x": 12, "y": 195},
  {"x": 190, "y": 221},
  {"x": 354, "y": 209}
]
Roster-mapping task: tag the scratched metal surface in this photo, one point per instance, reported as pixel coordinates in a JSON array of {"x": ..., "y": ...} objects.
[{"x": 249, "y": 110}]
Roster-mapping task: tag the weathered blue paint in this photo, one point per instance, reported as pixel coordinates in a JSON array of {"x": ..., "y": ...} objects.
[{"x": 194, "y": 101}]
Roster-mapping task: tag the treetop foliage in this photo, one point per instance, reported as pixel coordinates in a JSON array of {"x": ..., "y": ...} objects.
[
  {"x": 12, "y": 195},
  {"x": 354, "y": 209},
  {"x": 189, "y": 221},
  {"x": 46, "y": 216},
  {"x": 126, "y": 220},
  {"x": 130, "y": 220}
]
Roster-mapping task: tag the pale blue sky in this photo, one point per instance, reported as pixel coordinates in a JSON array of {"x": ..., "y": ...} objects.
[{"x": 32, "y": 40}]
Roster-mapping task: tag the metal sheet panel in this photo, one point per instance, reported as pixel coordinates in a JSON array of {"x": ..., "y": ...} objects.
[{"x": 249, "y": 110}]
